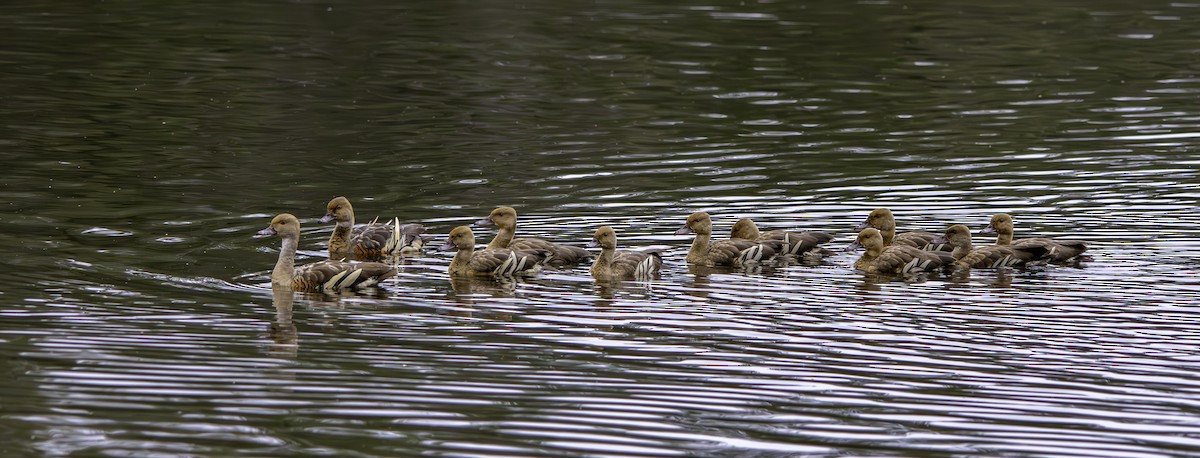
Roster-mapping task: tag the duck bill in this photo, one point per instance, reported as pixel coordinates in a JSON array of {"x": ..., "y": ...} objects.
[
  {"x": 593, "y": 244},
  {"x": 486, "y": 222},
  {"x": 327, "y": 218},
  {"x": 862, "y": 225},
  {"x": 939, "y": 240},
  {"x": 990, "y": 229},
  {"x": 684, "y": 231},
  {"x": 447, "y": 246},
  {"x": 854, "y": 246},
  {"x": 265, "y": 232}
]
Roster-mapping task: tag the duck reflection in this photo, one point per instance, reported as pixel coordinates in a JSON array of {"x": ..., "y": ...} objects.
[
  {"x": 284, "y": 338},
  {"x": 607, "y": 291},
  {"x": 468, "y": 289}
]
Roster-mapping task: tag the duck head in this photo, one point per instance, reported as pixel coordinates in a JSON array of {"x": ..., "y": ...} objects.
[
  {"x": 605, "y": 237},
  {"x": 697, "y": 223},
  {"x": 460, "y": 238},
  {"x": 338, "y": 209}
]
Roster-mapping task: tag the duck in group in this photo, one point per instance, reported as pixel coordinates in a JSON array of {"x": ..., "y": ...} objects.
[{"x": 885, "y": 251}]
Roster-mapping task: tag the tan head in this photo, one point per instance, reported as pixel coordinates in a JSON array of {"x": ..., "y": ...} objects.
[
  {"x": 744, "y": 229},
  {"x": 605, "y": 237},
  {"x": 880, "y": 218},
  {"x": 958, "y": 236},
  {"x": 460, "y": 238},
  {"x": 1001, "y": 223},
  {"x": 697, "y": 223},
  {"x": 339, "y": 210},
  {"x": 870, "y": 239},
  {"x": 505, "y": 217},
  {"x": 284, "y": 225}
]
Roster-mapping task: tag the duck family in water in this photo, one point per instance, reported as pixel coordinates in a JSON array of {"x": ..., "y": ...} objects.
[{"x": 884, "y": 250}]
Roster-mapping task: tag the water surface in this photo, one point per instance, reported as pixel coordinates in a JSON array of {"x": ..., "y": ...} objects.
[{"x": 146, "y": 144}]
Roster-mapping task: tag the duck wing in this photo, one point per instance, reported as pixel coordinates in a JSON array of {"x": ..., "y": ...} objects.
[
  {"x": 339, "y": 275},
  {"x": 561, "y": 255}
]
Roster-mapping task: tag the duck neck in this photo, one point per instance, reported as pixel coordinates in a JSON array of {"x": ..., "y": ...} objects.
[
  {"x": 603, "y": 264},
  {"x": 888, "y": 233},
  {"x": 699, "y": 252},
  {"x": 504, "y": 236},
  {"x": 961, "y": 248},
  {"x": 461, "y": 260},
  {"x": 285, "y": 267},
  {"x": 1004, "y": 236},
  {"x": 872, "y": 252},
  {"x": 339, "y": 241}
]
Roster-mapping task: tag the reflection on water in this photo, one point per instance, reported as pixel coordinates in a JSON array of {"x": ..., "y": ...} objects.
[{"x": 145, "y": 145}]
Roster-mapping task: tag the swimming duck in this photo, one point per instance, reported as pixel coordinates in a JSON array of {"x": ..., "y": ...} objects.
[
  {"x": 371, "y": 241},
  {"x": 882, "y": 219},
  {"x": 1064, "y": 250},
  {"x": 798, "y": 244},
  {"x": 505, "y": 220},
  {"x": 327, "y": 275},
  {"x": 895, "y": 259},
  {"x": 614, "y": 264},
  {"x": 959, "y": 237},
  {"x": 490, "y": 261},
  {"x": 732, "y": 252}
]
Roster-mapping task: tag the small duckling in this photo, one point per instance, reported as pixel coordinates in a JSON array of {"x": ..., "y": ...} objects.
[
  {"x": 1064, "y": 250},
  {"x": 326, "y": 275},
  {"x": 959, "y": 237},
  {"x": 796, "y": 244},
  {"x": 895, "y": 259},
  {"x": 732, "y": 252},
  {"x": 497, "y": 262},
  {"x": 505, "y": 220},
  {"x": 614, "y": 264},
  {"x": 371, "y": 241},
  {"x": 882, "y": 219}
]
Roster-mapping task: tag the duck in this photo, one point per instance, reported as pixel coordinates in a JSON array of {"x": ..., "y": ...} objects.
[
  {"x": 503, "y": 262},
  {"x": 371, "y": 241},
  {"x": 328, "y": 275},
  {"x": 731, "y": 252},
  {"x": 879, "y": 258},
  {"x": 614, "y": 264},
  {"x": 992, "y": 256},
  {"x": 882, "y": 219},
  {"x": 797, "y": 244},
  {"x": 505, "y": 220},
  {"x": 1064, "y": 250}
]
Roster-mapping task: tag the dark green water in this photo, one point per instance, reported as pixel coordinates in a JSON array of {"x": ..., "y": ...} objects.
[{"x": 145, "y": 143}]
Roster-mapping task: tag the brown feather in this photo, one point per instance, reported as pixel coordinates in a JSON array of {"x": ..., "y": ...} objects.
[
  {"x": 369, "y": 241},
  {"x": 324, "y": 275},
  {"x": 896, "y": 259},
  {"x": 883, "y": 220},
  {"x": 1062, "y": 250},
  {"x": 614, "y": 264},
  {"x": 505, "y": 220},
  {"x": 794, "y": 243},
  {"x": 729, "y": 252},
  {"x": 959, "y": 237},
  {"x": 490, "y": 261}
]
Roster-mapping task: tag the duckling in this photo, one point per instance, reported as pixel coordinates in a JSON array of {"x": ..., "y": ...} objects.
[
  {"x": 882, "y": 219},
  {"x": 732, "y": 252},
  {"x": 327, "y": 275},
  {"x": 505, "y": 220},
  {"x": 798, "y": 244},
  {"x": 1064, "y": 250},
  {"x": 490, "y": 261},
  {"x": 959, "y": 237},
  {"x": 614, "y": 264},
  {"x": 372, "y": 241},
  {"x": 895, "y": 259}
]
